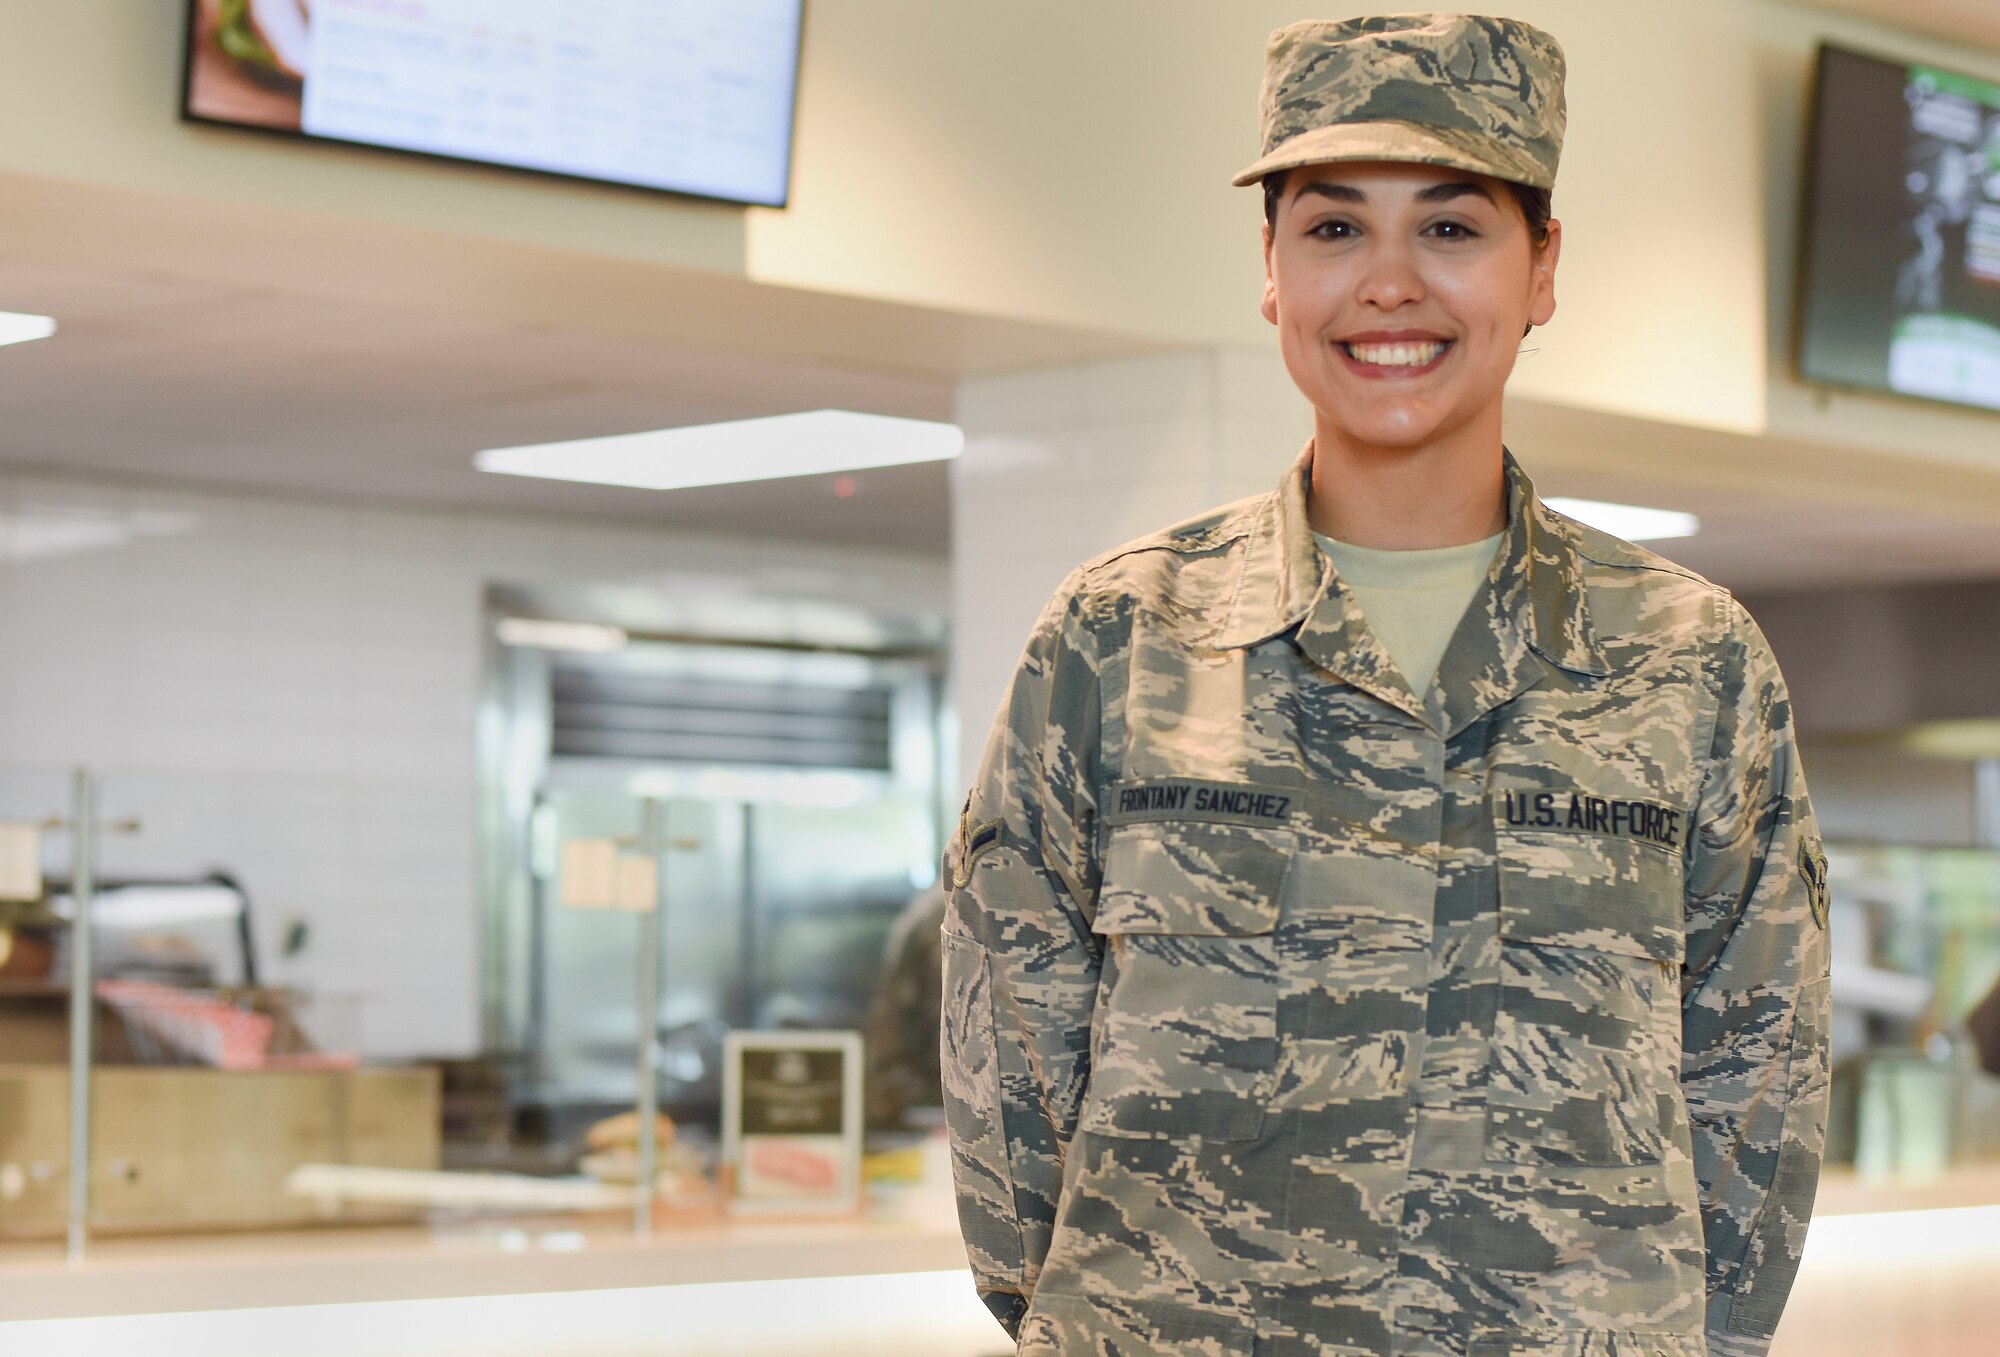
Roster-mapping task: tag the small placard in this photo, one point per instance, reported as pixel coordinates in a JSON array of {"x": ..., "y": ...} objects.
[
  {"x": 791, "y": 1130},
  {"x": 589, "y": 873},
  {"x": 20, "y": 862},
  {"x": 596, "y": 875}
]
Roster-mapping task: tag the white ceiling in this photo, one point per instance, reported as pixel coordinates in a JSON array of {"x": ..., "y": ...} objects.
[
  {"x": 264, "y": 347},
  {"x": 1976, "y": 22},
  {"x": 186, "y": 380},
  {"x": 1776, "y": 513},
  {"x": 1759, "y": 542}
]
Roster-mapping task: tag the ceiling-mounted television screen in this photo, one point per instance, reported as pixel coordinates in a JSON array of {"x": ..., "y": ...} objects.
[
  {"x": 687, "y": 96},
  {"x": 1901, "y": 279}
]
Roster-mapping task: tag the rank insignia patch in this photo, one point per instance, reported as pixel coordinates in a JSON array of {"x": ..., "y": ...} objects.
[
  {"x": 1812, "y": 866},
  {"x": 972, "y": 841}
]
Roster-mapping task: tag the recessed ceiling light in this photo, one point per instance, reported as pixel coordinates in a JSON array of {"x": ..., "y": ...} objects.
[
  {"x": 17, "y": 328},
  {"x": 543, "y": 634},
  {"x": 812, "y": 443},
  {"x": 1633, "y": 522}
]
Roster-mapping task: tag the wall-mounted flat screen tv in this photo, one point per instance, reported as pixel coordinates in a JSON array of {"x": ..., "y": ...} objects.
[
  {"x": 688, "y": 96},
  {"x": 1901, "y": 278}
]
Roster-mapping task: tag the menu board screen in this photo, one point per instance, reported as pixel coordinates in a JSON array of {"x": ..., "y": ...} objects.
[
  {"x": 1902, "y": 241},
  {"x": 791, "y": 1121},
  {"x": 689, "y": 96}
]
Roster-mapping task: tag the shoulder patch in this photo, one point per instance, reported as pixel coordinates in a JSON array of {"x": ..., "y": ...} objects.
[
  {"x": 973, "y": 839},
  {"x": 1812, "y": 866}
]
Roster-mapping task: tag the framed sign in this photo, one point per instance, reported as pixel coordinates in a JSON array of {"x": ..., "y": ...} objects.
[
  {"x": 791, "y": 1121},
  {"x": 21, "y": 863},
  {"x": 599, "y": 874}
]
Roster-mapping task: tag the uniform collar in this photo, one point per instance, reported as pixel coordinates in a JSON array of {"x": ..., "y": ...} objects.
[{"x": 1533, "y": 604}]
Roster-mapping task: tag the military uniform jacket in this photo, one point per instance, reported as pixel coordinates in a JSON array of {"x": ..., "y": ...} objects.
[{"x": 1289, "y": 1011}]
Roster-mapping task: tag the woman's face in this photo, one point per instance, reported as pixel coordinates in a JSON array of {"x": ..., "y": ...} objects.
[{"x": 1400, "y": 293}]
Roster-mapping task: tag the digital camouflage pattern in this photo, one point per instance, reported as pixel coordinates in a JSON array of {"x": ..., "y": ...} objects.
[
  {"x": 1286, "y": 1011},
  {"x": 1469, "y": 91}
]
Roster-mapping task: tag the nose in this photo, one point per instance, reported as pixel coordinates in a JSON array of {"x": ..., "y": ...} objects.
[{"x": 1391, "y": 278}]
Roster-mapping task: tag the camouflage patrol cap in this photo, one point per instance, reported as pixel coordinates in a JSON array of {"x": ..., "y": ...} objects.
[{"x": 1464, "y": 90}]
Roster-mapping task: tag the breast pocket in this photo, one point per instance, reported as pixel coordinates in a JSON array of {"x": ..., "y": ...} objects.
[
  {"x": 1186, "y": 1033},
  {"x": 1586, "y": 1039}
]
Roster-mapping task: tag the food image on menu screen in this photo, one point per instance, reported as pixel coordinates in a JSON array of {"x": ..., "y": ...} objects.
[
  {"x": 693, "y": 96},
  {"x": 792, "y": 1120},
  {"x": 1902, "y": 284}
]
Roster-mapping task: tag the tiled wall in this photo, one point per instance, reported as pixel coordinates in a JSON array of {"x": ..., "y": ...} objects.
[
  {"x": 1063, "y": 464},
  {"x": 287, "y": 689}
]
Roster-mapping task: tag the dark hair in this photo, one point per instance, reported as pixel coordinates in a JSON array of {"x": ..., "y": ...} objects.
[{"x": 1536, "y": 204}]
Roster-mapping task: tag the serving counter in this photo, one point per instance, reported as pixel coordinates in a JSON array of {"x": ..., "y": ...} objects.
[
  {"x": 887, "y": 1286},
  {"x": 1890, "y": 1269},
  {"x": 126, "y": 1276}
]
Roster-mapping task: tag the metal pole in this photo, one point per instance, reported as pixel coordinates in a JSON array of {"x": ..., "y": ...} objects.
[
  {"x": 83, "y": 889},
  {"x": 654, "y": 840}
]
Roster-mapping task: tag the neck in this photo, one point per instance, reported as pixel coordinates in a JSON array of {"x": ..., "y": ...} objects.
[{"x": 1443, "y": 494}]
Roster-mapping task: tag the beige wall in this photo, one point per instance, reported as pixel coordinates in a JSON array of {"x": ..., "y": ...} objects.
[
  {"x": 1066, "y": 164},
  {"x": 90, "y": 89},
  {"x": 1072, "y": 161}
]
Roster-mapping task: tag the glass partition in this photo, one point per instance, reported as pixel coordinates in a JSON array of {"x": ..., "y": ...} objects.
[
  {"x": 293, "y": 990},
  {"x": 1916, "y": 939}
]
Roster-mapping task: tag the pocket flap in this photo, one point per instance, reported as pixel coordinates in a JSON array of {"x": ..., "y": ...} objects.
[
  {"x": 1595, "y": 893},
  {"x": 1193, "y": 877}
]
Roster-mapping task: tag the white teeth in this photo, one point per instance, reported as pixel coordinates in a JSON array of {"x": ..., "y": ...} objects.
[{"x": 1396, "y": 355}]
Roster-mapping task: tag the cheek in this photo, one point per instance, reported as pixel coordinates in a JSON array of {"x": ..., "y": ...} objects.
[
  {"x": 1473, "y": 302},
  {"x": 1308, "y": 296},
  {"x": 1301, "y": 308}
]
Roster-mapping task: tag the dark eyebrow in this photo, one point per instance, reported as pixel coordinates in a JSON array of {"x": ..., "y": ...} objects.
[
  {"x": 1436, "y": 193},
  {"x": 1444, "y": 193},
  {"x": 1340, "y": 193}
]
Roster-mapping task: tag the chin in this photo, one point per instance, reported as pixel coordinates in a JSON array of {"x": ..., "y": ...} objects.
[{"x": 1391, "y": 433}]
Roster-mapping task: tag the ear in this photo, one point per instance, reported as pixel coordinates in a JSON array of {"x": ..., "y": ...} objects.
[
  {"x": 1542, "y": 277},
  {"x": 1269, "y": 305}
]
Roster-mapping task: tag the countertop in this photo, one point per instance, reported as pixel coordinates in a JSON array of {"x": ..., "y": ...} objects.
[
  {"x": 909, "y": 1232},
  {"x": 169, "y": 1274}
]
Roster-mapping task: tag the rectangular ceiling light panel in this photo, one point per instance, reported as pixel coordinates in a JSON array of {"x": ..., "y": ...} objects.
[
  {"x": 546, "y": 634},
  {"x": 812, "y": 443},
  {"x": 18, "y": 328}
]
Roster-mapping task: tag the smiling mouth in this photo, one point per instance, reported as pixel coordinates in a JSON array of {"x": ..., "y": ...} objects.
[{"x": 1405, "y": 355}]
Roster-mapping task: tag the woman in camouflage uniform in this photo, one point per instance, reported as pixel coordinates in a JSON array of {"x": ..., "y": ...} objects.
[{"x": 1388, "y": 917}]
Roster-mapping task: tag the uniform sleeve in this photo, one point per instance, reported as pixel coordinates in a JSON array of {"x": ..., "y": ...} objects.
[
  {"x": 1754, "y": 1063},
  {"x": 1020, "y": 964}
]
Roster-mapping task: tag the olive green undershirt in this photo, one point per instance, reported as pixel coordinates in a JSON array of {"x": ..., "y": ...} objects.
[{"x": 1413, "y": 599}]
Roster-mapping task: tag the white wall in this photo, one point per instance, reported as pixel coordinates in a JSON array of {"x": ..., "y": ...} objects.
[{"x": 287, "y": 688}]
